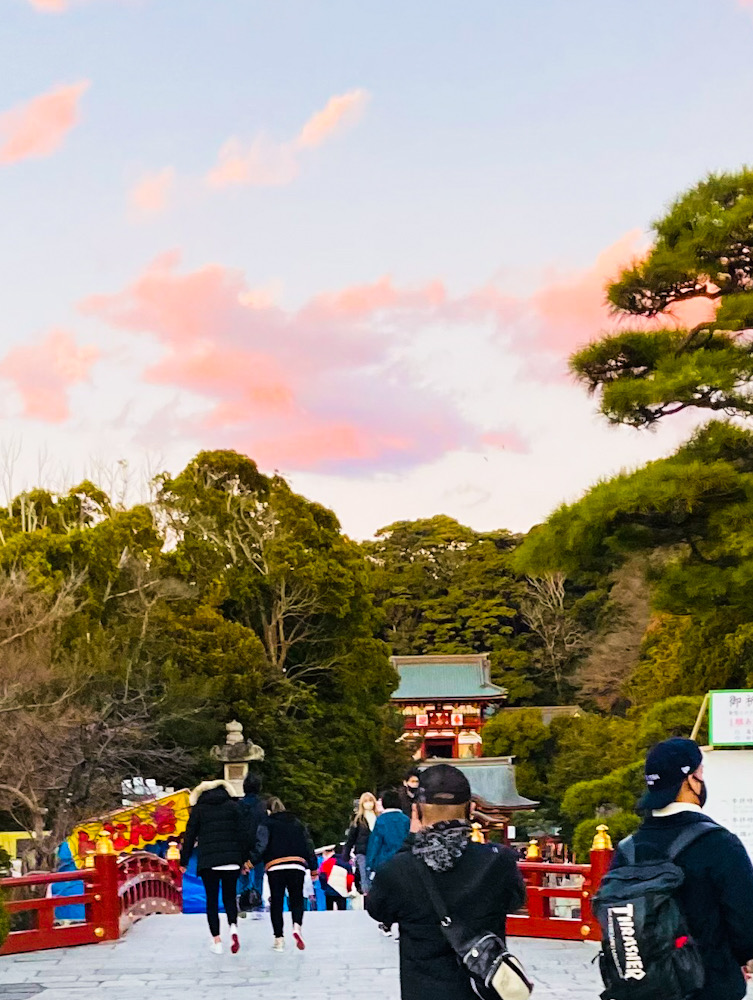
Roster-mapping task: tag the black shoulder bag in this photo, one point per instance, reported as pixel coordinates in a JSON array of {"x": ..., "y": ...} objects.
[{"x": 495, "y": 974}]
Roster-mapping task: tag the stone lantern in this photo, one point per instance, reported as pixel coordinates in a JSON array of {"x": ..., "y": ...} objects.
[{"x": 236, "y": 754}]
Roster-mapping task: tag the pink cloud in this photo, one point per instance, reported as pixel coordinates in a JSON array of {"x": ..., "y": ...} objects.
[
  {"x": 572, "y": 309},
  {"x": 340, "y": 111},
  {"x": 49, "y": 5},
  {"x": 331, "y": 385},
  {"x": 151, "y": 195},
  {"x": 38, "y": 127},
  {"x": 320, "y": 387},
  {"x": 44, "y": 373},
  {"x": 264, "y": 162},
  {"x": 509, "y": 440}
]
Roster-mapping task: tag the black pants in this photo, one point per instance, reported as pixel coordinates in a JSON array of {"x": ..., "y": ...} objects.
[
  {"x": 212, "y": 881},
  {"x": 290, "y": 879},
  {"x": 336, "y": 902}
]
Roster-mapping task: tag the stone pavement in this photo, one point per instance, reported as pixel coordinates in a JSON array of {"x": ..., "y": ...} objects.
[{"x": 167, "y": 958}]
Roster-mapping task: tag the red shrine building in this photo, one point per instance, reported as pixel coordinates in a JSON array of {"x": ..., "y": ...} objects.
[{"x": 445, "y": 701}]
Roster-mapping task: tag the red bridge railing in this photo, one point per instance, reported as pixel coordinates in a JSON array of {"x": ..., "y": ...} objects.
[
  {"x": 116, "y": 892},
  {"x": 542, "y": 889},
  {"x": 119, "y": 890}
]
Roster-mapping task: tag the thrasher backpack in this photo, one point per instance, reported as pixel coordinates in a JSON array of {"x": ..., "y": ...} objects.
[{"x": 647, "y": 951}]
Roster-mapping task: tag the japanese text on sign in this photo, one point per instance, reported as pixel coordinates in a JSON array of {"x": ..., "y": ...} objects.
[{"x": 731, "y": 718}]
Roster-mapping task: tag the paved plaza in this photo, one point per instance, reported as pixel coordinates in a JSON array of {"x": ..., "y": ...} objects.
[{"x": 167, "y": 957}]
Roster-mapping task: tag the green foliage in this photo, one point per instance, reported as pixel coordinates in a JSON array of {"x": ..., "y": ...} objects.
[
  {"x": 621, "y": 824},
  {"x": 618, "y": 790},
  {"x": 671, "y": 717},
  {"x": 590, "y": 745},
  {"x": 279, "y": 583},
  {"x": 691, "y": 515},
  {"x": 522, "y": 734},
  {"x": 703, "y": 250},
  {"x": 441, "y": 587},
  {"x": 150, "y": 627},
  {"x": 4, "y": 922},
  {"x": 550, "y": 759}
]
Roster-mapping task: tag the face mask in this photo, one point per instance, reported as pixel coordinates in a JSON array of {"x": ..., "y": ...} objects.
[
  {"x": 703, "y": 794},
  {"x": 369, "y": 806}
]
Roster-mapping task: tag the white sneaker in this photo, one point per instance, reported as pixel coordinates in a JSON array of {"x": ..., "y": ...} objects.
[
  {"x": 279, "y": 944},
  {"x": 216, "y": 947},
  {"x": 298, "y": 937}
]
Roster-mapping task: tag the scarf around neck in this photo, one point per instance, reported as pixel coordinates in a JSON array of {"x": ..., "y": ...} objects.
[{"x": 441, "y": 846}]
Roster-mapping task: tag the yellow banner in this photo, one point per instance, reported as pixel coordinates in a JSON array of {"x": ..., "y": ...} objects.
[{"x": 133, "y": 827}]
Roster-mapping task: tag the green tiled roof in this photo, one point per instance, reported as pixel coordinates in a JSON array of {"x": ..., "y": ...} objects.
[{"x": 444, "y": 680}]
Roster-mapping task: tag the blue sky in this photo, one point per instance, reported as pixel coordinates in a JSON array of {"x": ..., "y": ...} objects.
[{"x": 496, "y": 145}]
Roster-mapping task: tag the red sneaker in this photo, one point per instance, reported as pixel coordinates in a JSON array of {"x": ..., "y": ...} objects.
[
  {"x": 235, "y": 945},
  {"x": 298, "y": 938}
]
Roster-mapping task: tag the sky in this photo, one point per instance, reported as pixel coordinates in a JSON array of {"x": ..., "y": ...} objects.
[{"x": 356, "y": 241}]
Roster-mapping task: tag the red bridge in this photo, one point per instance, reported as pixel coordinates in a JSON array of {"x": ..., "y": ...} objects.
[{"x": 118, "y": 890}]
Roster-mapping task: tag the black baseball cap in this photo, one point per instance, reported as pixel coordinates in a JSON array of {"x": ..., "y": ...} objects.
[
  {"x": 443, "y": 785},
  {"x": 667, "y": 765}
]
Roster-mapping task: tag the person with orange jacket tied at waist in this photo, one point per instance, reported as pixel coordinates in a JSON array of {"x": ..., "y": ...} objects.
[{"x": 284, "y": 845}]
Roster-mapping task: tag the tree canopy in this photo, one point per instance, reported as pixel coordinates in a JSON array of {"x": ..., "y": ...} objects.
[
  {"x": 130, "y": 636},
  {"x": 702, "y": 254}
]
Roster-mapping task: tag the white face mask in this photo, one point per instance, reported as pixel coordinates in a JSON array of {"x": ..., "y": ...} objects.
[{"x": 369, "y": 806}]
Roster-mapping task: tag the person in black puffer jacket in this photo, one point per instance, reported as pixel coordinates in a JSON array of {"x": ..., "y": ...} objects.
[
  {"x": 284, "y": 845},
  {"x": 215, "y": 823}
]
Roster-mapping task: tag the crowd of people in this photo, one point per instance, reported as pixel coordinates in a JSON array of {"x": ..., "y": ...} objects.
[
  {"x": 239, "y": 842},
  {"x": 411, "y": 854}
]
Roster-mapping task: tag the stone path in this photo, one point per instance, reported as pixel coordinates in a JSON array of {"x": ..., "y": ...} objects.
[{"x": 167, "y": 958}]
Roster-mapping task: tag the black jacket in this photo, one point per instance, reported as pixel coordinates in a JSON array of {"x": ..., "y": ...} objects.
[
  {"x": 253, "y": 810},
  {"x": 716, "y": 897},
  {"x": 480, "y": 890},
  {"x": 357, "y": 839},
  {"x": 406, "y": 801},
  {"x": 215, "y": 823},
  {"x": 281, "y": 838}
]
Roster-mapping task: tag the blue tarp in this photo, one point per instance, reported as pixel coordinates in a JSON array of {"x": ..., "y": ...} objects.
[
  {"x": 195, "y": 901},
  {"x": 67, "y": 864}
]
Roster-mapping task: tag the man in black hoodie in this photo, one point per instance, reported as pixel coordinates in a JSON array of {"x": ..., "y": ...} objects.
[
  {"x": 479, "y": 883},
  {"x": 253, "y": 811},
  {"x": 717, "y": 894}
]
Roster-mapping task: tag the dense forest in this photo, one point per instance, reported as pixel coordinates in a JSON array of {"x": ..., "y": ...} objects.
[{"x": 129, "y": 635}]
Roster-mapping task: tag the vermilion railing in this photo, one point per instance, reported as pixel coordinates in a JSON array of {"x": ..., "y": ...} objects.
[
  {"x": 539, "y": 921},
  {"x": 116, "y": 892},
  {"x": 148, "y": 884}
]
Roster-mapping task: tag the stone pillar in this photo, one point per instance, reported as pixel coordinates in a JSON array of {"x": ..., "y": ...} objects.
[{"x": 236, "y": 754}]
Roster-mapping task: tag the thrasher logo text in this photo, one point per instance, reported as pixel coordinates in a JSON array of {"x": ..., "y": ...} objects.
[{"x": 622, "y": 917}]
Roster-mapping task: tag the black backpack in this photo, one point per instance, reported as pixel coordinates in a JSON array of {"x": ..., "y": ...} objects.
[{"x": 647, "y": 952}]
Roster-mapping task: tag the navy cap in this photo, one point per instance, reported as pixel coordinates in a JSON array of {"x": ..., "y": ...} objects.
[
  {"x": 443, "y": 785},
  {"x": 667, "y": 765}
]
